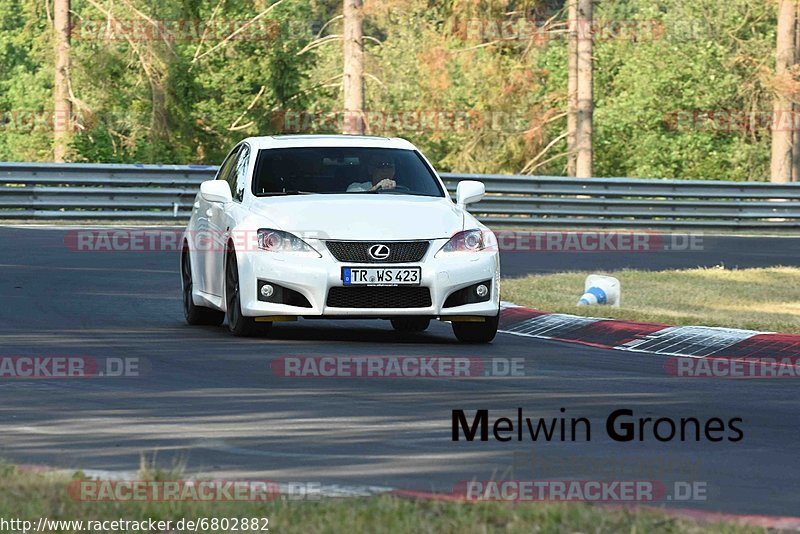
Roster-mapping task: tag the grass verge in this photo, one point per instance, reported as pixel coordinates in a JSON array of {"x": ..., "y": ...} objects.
[
  {"x": 760, "y": 299},
  {"x": 29, "y": 496}
]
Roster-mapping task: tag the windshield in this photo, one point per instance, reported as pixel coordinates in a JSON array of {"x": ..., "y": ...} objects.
[{"x": 354, "y": 170}]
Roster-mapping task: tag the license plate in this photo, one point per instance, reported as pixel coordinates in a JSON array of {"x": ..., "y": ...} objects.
[{"x": 381, "y": 276}]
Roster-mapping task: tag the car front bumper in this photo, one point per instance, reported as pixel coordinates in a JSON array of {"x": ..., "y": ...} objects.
[{"x": 314, "y": 277}]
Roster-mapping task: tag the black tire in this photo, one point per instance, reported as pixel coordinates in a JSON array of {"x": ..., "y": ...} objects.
[
  {"x": 477, "y": 332},
  {"x": 411, "y": 324},
  {"x": 195, "y": 315},
  {"x": 238, "y": 324}
]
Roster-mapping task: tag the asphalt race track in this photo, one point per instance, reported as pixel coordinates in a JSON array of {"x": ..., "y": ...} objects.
[
  {"x": 212, "y": 402},
  {"x": 708, "y": 250}
]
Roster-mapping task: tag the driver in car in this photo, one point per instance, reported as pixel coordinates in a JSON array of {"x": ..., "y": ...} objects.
[{"x": 381, "y": 172}]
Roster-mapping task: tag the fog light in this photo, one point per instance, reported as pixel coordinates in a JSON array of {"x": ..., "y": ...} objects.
[
  {"x": 267, "y": 291},
  {"x": 481, "y": 290}
]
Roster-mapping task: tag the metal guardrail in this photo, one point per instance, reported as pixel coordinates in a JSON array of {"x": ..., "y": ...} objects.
[
  {"x": 99, "y": 191},
  {"x": 166, "y": 192}
]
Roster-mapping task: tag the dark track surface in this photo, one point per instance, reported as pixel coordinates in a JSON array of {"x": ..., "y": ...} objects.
[
  {"x": 711, "y": 250},
  {"x": 211, "y": 400}
]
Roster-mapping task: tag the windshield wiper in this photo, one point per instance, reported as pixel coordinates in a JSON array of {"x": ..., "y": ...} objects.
[{"x": 288, "y": 192}]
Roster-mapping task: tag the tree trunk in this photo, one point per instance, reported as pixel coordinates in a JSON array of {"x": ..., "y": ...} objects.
[
  {"x": 158, "y": 57},
  {"x": 159, "y": 127},
  {"x": 796, "y": 107},
  {"x": 781, "y": 167},
  {"x": 62, "y": 106},
  {"x": 583, "y": 136},
  {"x": 353, "y": 67},
  {"x": 572, "y": 84}
]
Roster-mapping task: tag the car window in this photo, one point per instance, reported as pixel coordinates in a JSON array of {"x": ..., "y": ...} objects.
[
  {"x": 342, "y": 170},
  {"x": 227, "y": 167},
  {"x": 239, "y": 176}
]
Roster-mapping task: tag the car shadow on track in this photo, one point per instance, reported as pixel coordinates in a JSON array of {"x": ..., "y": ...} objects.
[{"x": 345, "y": 331}]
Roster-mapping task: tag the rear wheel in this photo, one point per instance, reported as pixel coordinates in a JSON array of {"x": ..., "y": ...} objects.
[
  {"x": 482, "y": 332},
  {"x": 195, "y": 315},
  {"x": 238, "y": 324},
  {"x": 411, "y": 324}
]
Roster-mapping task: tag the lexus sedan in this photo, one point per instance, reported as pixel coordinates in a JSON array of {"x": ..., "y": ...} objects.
[{"x": 339, "y": 227}]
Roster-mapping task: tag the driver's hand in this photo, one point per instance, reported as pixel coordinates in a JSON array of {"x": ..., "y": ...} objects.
[{"x": 386, "y": 183}]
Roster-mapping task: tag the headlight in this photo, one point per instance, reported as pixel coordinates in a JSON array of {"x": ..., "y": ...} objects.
[
  {"x": 279, "y": 241},
  {"x": 470, "y": 241}
]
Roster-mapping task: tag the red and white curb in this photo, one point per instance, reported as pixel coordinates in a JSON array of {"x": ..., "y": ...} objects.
[{"x": 688, "y": 341}]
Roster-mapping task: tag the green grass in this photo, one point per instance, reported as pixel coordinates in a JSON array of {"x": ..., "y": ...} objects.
[
  {"x": 30, "y": 496},
  {"x": 759, "y": 299}
]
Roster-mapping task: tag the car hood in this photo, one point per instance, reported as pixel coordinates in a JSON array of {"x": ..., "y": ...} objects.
[{"x": 362, "y": 216}]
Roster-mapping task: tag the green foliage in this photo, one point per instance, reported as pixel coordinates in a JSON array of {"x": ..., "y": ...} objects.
[
  {"x": 711, "y": 58},
  {"x": 188, "y": 102}
]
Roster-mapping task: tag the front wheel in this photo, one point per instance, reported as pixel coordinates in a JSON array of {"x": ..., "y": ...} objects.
[
  {"x": 484, "y": 332},
  {"x": 238, "y": 324},
  {"x": 194, "y": 314}
]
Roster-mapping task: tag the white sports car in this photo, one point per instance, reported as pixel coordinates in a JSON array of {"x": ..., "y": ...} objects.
[{"x": 334, "y": 226}]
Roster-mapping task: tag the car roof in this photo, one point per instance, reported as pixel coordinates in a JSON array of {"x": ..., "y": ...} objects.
[{"x": 300, "y": 141}]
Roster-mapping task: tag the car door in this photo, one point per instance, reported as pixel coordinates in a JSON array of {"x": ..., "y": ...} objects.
[
  {"x": 224, "y": 219},
  {"x": 211, "y": 242}
]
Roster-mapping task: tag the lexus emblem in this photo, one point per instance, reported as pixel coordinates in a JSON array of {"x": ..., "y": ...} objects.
[{"x": 379, "y": 252}]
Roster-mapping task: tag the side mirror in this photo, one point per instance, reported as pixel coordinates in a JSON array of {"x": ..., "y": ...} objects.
[
  {"x": 469, "y": 192},
  {"x": 216, "y": 191}
]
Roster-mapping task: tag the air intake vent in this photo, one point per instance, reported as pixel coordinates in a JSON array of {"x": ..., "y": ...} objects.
[{"x": 379, "y": 297}]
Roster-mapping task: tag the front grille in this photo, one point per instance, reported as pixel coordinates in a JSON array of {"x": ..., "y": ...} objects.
[
  {"x": 358, "y": 251},
  {"x": 379, "y": 297}
]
